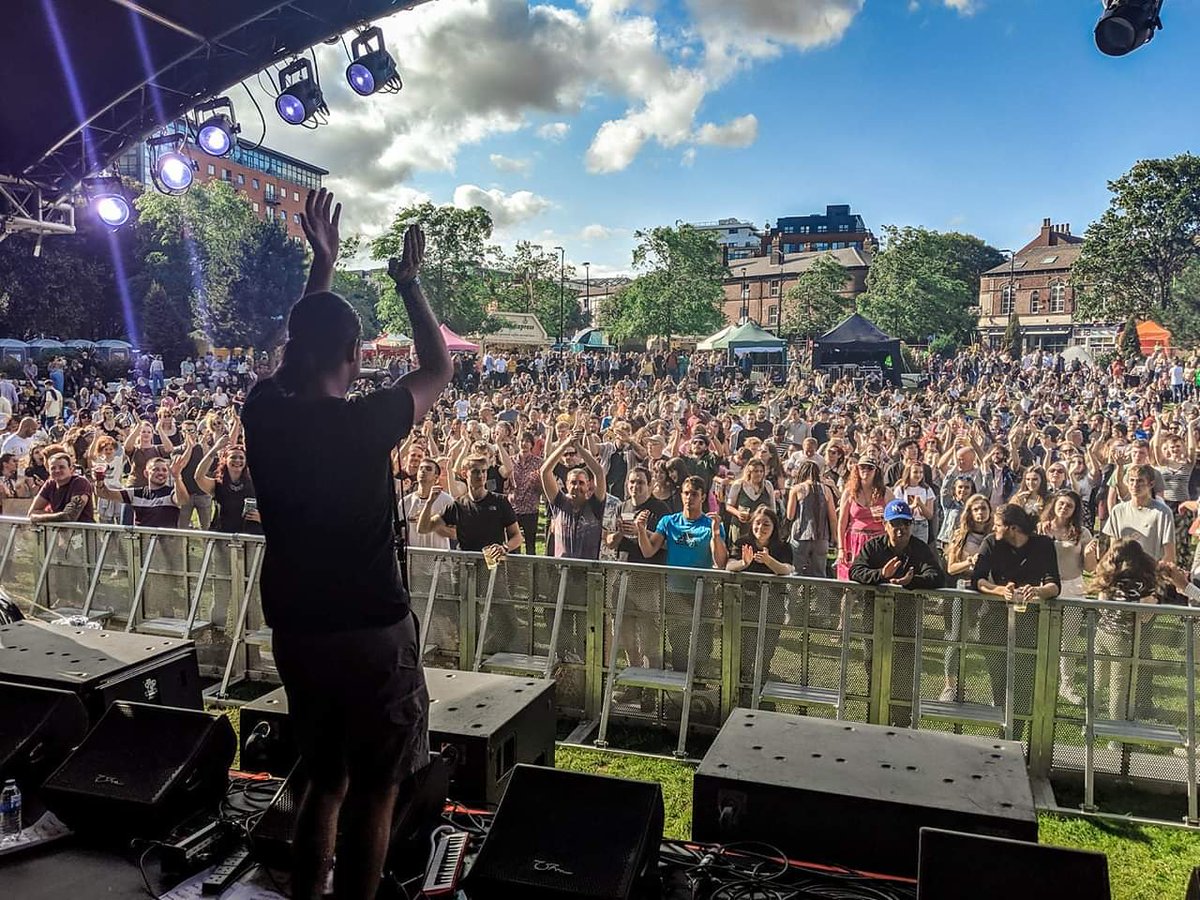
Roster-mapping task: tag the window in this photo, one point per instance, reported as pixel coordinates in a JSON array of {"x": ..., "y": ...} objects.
[
  {"x": 837, "y": 245},
  {"x": 226, "y": 175},
  {"x": 241, "y": 180},
  {"x": 270, "y": 191},
  {"x": 775, "y": 288},
  {"x": 255, "y": 205},
  {"x": 821, "y": 245},
  {"x": 773, "y": 316},
  {"x": 296, "y": 218},
  {"x": 212, "y": 170},
  {"x": 821, "y": 229},
  {"x": 254, "y": 182},
  {"x": 745, "y": 291},
  {"x": 1049, "y": 260},
  {"x": 296, "y": 196},
  {"x": 1007, "y": 299},
  {"x": 804, "y": 229},
  {"x": 1035, "y": 302},
  {"x": 843, "y": 228},
  {"x": 1058, "y": 297},
  {"x": 789, "y": 229},
  {"x": 727, "y": 230}
]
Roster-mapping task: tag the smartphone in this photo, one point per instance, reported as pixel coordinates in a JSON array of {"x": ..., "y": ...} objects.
[{"x": 249, "y": 505}]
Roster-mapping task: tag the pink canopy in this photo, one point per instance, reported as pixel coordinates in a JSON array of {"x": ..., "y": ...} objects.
[{"x": 456, "y": 344}]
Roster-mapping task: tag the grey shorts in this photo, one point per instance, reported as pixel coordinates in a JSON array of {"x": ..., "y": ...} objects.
[{"x": 357, "y": 702}]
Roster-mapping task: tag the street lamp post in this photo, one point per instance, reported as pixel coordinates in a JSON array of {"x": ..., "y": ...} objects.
[
  {"x": 1011, "y": 287},
  {"x": 562, "y": 288},
  {"x": 587, "y": 297},
  {"x": 745, "y": 297}
]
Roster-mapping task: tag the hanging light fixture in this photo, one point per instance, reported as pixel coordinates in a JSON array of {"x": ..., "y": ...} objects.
[
  {"x": 371, "y": 67},
  {"x": 300, "y": 97},
  {"x": 218, "y": 129},
  {"x": 170, "y": 169},
  {"x": 1126, "y": 25},
  {"x": 106, "y": 196}
]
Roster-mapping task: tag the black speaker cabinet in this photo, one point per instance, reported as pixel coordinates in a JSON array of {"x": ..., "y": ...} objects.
[
  {"x": 855, "y": 795},
  {"x": 142, "y": 770},
  {"x": 561, "y": 834},
  {"x": 38, "y": 728},
  {"x": 955, "y": 865},
  {"x": 492, "y": 722},
  {"x": 101, "y": 666}
]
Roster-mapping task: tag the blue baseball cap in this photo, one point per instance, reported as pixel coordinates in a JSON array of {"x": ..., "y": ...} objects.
[{"x": 897, "y": 510}]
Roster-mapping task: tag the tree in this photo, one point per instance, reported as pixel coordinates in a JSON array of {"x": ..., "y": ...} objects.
[
  {"x": 1146, "y": 238},
  {"x": 166, "y": 324},
  {"x": 680, "y": 291},
  {"x": 456, "y": 251},
  {"x": 817, "y": 301},
  {"x": 926, "y": 282},
  {"x": 273, "y": 273},
  {"x": 1183, "y": 317},
  {"x": 69, "y": 291},
  {"x": 194, "y": 247},
  {"x": 529, "y": 280},
  {"x": 1012, "y": 336},
  {"x": 1130, "y": 345}
]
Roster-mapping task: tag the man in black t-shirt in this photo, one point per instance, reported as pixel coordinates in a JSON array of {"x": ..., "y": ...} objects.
[
  {"x": 480, "y": 520},
  {"x": 345, "y": 642}
]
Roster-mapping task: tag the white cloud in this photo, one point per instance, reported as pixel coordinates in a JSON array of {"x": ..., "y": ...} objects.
[
  {"x": 509, "y": 164},
  {"x": 964, "y": 7},
  {"x": 689, "y": 158},
  {"x": 506, "y": 209},
  {"x": 553, "y": 131},
  {"x": 736, "y": 32},
  {"x": 740, "y": 132},
  {"x": 598, "y": 232}
]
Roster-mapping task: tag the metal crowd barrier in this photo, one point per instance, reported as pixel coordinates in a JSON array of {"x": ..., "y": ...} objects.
[{"x": 1101, "y": 694}]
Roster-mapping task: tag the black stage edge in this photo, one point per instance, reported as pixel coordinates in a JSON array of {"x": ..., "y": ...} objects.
[
  {"x": 101, "y": 666},
  {"x": 856, "y": 795}
]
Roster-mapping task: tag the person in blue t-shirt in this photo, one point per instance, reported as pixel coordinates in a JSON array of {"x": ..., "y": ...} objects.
[{"x": 692, "y": 540}]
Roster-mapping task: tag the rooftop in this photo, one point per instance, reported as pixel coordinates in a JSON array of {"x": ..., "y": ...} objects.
[{"x": 795, "y": 263}]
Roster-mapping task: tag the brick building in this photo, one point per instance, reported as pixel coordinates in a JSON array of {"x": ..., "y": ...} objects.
[
  {"x": 274, "y": 183},
  {"x": 1036, "y": 283},
  {"x": 756, "y": 287}
]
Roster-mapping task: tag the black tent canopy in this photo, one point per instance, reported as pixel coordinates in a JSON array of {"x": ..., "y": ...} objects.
[{"x": 857, "y": 341}]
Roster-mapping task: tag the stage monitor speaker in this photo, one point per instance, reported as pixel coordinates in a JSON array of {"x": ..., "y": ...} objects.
[
  {"x": 955, "y": 865},
  {"x": 142, "y": 770},
  {"x": 854, "y": 795},
  {"x": 41, "y": 726},
  {"x": 1193, "y": 888},
  {"x": 420, "y": 803},
  {"x": 561, "y": 834}
]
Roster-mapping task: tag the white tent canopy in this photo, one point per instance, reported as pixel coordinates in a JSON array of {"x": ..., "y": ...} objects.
[{"x": 710, "y": 342}]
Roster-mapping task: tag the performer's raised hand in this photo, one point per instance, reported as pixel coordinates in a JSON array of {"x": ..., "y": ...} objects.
[{"x": 404, "y": 270}]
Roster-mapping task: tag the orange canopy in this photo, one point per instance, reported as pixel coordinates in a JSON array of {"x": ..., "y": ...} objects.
[{"x": 1152, "y": 335}]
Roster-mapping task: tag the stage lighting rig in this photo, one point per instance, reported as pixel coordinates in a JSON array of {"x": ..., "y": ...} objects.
[
  {"x": 300, "y": 97},
  {"x": 217, "y": 130},
  {"x": 106, "y": 196},
  {"x": 1126, "y": 25},
  {"x": 371, "y": 67},
  {"x": 170, "y": 169}
]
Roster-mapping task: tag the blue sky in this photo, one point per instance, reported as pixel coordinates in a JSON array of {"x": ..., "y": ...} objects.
[{"x": 979, "y": 116}]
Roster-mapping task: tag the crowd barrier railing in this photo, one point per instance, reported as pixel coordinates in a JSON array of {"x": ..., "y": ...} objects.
[{"x": 1099, "y": 693}]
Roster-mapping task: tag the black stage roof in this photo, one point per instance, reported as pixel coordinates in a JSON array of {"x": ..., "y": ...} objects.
[{"x": 85, "y": 79}]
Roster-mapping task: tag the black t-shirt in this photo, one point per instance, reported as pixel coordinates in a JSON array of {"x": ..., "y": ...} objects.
[
  {"x": 480, "y": 523},
  {"x": 778, "y": 550},
  {"x": 629, "y": 547},
  {"x": 231, "y": 499},
  {"x": 330, "y": 561}
]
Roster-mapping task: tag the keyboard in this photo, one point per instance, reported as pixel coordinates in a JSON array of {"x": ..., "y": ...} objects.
[{"x": 446, "y": 863}]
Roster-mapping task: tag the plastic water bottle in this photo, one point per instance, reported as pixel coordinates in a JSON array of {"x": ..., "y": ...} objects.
[{"x": 10, "y": 811}]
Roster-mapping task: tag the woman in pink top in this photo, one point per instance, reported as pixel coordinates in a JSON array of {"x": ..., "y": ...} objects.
[{"x": 860, "y": 516}]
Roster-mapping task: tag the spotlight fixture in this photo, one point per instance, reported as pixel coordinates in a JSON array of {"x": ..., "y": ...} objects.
[
  {"x": 170, "y": 170},
  {"x": 217, "y": 132},
  {"x": 106, "y": 196},
  {"x": 1126, "y": 25},
  {"x": 372, "y": 68},
  {"x": 300, "y": 95}
]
